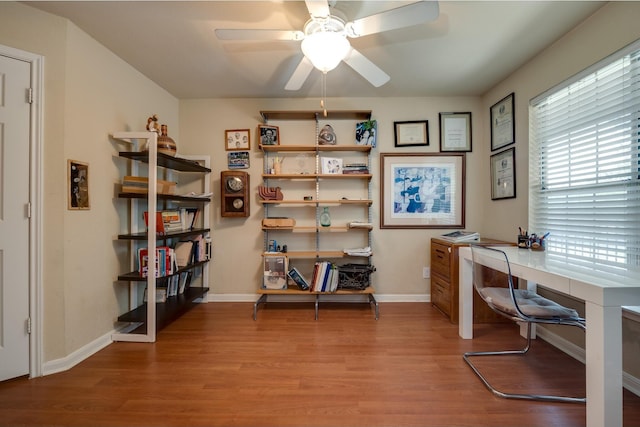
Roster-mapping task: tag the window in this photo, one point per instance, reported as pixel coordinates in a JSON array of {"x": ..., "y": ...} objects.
[{"x": 584, "y": 165}]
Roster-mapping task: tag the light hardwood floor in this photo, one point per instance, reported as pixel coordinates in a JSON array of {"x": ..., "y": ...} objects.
[{"x": 216, "y": 366}]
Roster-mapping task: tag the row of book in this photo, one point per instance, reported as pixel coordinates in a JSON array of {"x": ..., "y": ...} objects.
[
  {"x": 169, "y": 221},
  {"x": 169, "y": 260},
  {"x": 325, "y": 277},
  {"x": 355, "y": 168},
  {"x": 174, "y": 285}
]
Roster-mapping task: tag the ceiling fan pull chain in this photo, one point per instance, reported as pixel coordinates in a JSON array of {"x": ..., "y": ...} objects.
[{"x": 324, "y": 93}]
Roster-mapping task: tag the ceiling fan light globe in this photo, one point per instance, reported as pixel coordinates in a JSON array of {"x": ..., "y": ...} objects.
[{"x": 325, "y": 50}]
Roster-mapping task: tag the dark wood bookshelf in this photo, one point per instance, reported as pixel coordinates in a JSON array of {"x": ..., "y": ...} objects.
[
  {"x": 315, "y": 115},
  {"x": 166, "y": 236},
  {"x": 159, "y": 196},
  {"x": 166, "y": 161},
  {"x": 166, "y": 312}
]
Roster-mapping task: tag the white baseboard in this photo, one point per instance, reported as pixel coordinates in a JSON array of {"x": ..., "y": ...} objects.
[
  {"x": 68, "y": 362},
  {"x": 629, "y": 382},
  {"x": 328, "y": 297}
]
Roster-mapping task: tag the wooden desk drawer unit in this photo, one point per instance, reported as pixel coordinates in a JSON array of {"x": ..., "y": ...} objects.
[{"x": 444, "y": 281}]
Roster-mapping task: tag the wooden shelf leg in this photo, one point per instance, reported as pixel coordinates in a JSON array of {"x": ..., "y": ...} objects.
[
  {"x": 372, "y": 300},
  {"x": 262, "y": 299}
]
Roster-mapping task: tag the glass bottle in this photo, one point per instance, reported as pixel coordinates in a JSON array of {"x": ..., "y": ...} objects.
[{"x": 325, "y": 217}]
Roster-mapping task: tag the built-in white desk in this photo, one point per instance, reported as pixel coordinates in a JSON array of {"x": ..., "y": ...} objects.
[{"x": 603, "y": 299}]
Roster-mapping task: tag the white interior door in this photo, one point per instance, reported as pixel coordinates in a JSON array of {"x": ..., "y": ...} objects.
[{"x": 14, "y": 219}]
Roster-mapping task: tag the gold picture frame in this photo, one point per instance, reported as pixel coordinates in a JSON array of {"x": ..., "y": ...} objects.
[{"x": 237, "y": 139}]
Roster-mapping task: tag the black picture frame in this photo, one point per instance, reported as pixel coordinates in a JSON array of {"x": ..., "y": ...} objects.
[
  {"x": 414, "y": 133},
  {"x": 503, "y": 125},
  {"x": 503, "y": 174}
]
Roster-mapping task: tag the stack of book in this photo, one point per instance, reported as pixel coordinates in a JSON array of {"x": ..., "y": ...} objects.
[
  {"x": 165, "y": 261},
  {"x": 325, "y": 277},
  {"x": 355, "y": 168}
]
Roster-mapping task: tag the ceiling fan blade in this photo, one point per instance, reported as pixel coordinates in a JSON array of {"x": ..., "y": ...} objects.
[
  {"x": 405, "y": 16},
  {"x": 248, "y": 34},
  {"x": 300, "y": 75},
  {"x": 366, "y": 68},
  {"x": 318, "y": 8}
]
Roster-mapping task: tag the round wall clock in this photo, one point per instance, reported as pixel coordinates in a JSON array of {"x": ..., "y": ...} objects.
[{"x": 234, "y": 186}]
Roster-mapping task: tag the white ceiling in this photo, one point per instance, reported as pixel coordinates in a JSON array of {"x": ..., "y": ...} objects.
[{"x": 472, "y": 46}]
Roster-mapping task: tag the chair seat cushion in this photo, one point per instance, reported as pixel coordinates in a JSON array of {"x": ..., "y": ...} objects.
[{"x": 530, "y": 303}]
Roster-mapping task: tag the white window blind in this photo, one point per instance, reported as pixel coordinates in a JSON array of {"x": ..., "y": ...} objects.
[{"x": 585, "y": 167}]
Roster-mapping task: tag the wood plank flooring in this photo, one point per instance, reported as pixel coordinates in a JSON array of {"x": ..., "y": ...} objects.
[{"x": 216, "y": 366}]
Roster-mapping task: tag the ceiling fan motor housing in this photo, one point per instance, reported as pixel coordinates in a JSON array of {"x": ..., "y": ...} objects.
[{"x": 325, "y": 42}]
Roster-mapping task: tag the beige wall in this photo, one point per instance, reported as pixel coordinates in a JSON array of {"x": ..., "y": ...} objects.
[
  {"x": 238, "y": 242},
  {"x": 608, "y": 30},
  {"x": 89, "y": 93}
]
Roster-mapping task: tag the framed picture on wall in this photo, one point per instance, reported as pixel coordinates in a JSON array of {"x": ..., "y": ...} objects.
[
  {"x": 503, "y": 174},
  {"x": 455, "y": 132},
  {"x": 77, "y": 185},
  {"x": 503, "y": 125},
  {"x": 422, "y": 190},
  {"x": 237, "y": 140},
  {"x": 268, "y": 135},
  {"x": 411, "y": 134}
]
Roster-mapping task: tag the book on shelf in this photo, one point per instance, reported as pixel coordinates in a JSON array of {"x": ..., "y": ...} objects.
[
  {"x": 355, "y": 168},
  {"x": 161, "y": 295},
  {"x": 189, "y": 217},
  {"x": 298, "y": 279},
  {"x": 159, "y": 222},
  {"x": 461, "y": 236},
  {"x": 184, "y": 281},
  {"x": 165, "y": 261},
  {"x": 172, "y": 220},
  {"x": 184, "y": 253}
]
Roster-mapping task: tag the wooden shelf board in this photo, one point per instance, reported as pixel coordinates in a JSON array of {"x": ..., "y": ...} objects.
[
  {"x": 295, "y": 291},
  {"x": 166, "y": 161},
  {"x": 135, "y": 276},
  {"x": 312, "y": 203},
  {"x": 307, "y": 176},
  {"x": 315, "y": 115},
  {"x": 314, "y": 148},
  {"x": 311, "y": 254},
  {"x": 166, "y": 236},
  {"x": 173, "y": 197}
]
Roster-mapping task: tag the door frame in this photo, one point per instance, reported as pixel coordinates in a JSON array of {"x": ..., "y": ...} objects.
[{"x": 36, "y": 123}]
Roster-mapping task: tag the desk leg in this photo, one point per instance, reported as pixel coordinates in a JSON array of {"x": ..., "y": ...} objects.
[
  {"x": 533, "y": 287},
  {"x": 465, "y": 295},
  {"x": 604, "y": 365}
]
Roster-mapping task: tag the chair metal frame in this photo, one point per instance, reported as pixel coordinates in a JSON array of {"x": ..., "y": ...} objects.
[{"x": 519, "y": 317}]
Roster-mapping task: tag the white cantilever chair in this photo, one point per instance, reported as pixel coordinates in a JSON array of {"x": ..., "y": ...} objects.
[{"x": 518, "y": 305}]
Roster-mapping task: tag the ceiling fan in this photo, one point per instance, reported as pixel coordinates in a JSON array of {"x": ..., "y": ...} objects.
[{"x": 324, "y": 38}]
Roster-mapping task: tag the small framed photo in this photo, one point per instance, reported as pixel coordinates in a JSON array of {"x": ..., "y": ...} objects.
[
  {"x": 77, "y": 185},
  {"x": 503, "y": 175},
  {"x": 269, "y": 135},
  {"x": 238, "y": 160},
  {"x": 237, "y": 140},
  {"x": 503, "y": 125},
  {"x": 455, "y": 132},
  {"x": 411, "y": 134}
]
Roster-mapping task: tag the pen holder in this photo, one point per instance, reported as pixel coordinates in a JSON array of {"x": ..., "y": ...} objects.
[
  {"x": 538, "y": 244},
  {"x": 523, "y": 241}
]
